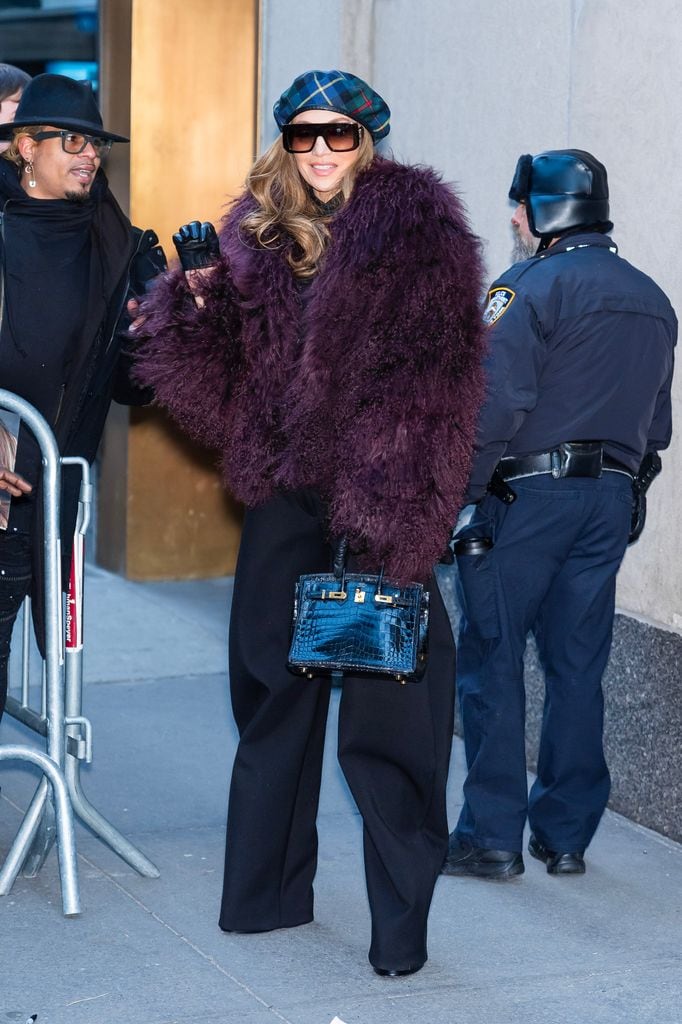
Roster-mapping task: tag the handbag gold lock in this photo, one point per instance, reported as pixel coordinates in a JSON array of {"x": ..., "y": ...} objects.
[{"x": 360, "y": 595}]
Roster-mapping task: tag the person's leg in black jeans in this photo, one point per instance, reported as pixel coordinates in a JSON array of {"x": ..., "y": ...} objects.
[{"x": 15, "y": 583}]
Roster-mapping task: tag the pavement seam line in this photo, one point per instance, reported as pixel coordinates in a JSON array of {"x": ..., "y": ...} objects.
[{"x": 183, "y": 938}]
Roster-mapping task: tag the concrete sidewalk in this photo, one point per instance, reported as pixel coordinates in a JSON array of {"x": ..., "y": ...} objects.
[{"x": 600, "y": 949}]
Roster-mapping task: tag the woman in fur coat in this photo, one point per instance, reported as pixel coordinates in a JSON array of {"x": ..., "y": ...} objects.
[{"x": 329, "y": 345}]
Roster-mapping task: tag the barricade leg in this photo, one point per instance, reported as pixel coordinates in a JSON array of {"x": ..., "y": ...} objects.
[
  {"x": 81, "y": 805},
  {"x": 43, "y": 841},
  {"x": 66, "y": 839},
  {"x": 22, "y": 841},
  {"x": 103, "y": 828},
  {"x": 76, "y": 748}
]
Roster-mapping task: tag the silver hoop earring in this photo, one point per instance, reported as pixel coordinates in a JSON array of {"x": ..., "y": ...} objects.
[{"x": 29, "y": 170}]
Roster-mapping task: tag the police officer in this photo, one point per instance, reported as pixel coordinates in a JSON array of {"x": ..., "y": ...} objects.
[{"x": 579, "y": 373}]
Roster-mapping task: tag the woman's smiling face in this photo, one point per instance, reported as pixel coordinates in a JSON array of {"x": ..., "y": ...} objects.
[{"x": 322, "y": 169}]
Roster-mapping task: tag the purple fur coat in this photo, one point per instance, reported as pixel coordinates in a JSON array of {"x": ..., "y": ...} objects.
[{"x": 369, "y": 394}]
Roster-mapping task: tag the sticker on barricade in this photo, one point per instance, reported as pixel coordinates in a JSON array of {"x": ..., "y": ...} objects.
[{"x": 74, "y": 598}]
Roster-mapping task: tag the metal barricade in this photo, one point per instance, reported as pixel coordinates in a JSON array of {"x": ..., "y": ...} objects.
[{"x": 68, "y": 733}]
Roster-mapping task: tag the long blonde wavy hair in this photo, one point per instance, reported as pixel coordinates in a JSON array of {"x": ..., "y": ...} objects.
[{"x": 286, "y": 207}]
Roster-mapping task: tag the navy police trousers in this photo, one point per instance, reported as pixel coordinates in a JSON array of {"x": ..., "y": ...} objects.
[{"x": 552, "y": 570}]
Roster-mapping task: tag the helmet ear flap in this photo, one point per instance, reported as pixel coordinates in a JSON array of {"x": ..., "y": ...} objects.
[{"x": 520, "y": 186}]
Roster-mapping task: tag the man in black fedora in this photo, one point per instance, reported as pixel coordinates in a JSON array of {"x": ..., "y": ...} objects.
[{"x": 69, "y": 259}]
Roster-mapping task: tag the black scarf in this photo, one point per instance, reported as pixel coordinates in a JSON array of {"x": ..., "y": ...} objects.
[
  {"x": 53, "y": 300},
  {"x": 53, "y": 287}
]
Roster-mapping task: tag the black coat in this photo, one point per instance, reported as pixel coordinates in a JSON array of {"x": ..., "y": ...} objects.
[{"x": 127, "y": 258}]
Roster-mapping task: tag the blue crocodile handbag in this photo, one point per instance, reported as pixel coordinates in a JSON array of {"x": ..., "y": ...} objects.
[{"x": 359, "y": 624}]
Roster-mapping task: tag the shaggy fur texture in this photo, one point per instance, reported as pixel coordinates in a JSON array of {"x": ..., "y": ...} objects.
[{"x": 369, "y": 394}]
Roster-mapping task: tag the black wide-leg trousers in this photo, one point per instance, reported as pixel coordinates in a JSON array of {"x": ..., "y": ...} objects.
[{"x": 394, "y": 749}]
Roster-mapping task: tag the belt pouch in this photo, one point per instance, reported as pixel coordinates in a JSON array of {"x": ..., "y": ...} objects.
[{"x": 577, "y": 458}]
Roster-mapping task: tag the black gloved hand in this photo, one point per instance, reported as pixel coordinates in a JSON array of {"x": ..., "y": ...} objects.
[
  {"x": 148, "y": 262},
  {"x": 197, "y": 245}
]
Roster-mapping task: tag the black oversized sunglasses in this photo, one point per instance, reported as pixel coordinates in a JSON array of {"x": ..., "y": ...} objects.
[
  {"x": 74, "y": 142},
  {"x": 339, "y": 136}
]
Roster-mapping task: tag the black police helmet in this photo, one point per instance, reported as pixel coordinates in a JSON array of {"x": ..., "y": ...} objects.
[{"x": 562, "y": 189}]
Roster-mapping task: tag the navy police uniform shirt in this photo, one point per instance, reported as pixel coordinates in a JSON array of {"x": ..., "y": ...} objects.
[{"x": 580, "y": 348}]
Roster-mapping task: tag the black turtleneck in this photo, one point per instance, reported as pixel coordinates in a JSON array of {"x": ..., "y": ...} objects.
[{"x": 329, "y": 208}]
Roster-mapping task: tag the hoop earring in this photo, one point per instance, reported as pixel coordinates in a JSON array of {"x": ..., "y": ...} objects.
[{"x": 29, "y": 170}]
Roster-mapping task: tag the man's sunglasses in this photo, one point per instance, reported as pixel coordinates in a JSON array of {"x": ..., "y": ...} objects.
[
  {"x": 339, "y": 136},
  {"x": 74, "y": 143}
]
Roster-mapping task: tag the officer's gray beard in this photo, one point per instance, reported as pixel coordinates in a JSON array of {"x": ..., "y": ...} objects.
[
  {"x": 78, "y": 197},
  {"x": 523, "y": 248}
]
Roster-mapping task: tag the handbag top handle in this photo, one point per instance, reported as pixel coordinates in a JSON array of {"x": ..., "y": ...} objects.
[{"x": 339, "y": 566}]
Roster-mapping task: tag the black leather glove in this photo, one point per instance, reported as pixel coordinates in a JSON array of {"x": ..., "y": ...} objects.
[
  {"x": 197, "y": 245},
  {"x": 637, "y": 516},
  {"x": 148, "y": 262},
  {"x": 648, "y": 471}
]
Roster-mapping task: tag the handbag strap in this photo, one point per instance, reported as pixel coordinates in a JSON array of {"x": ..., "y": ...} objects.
[{"x": 340, "y": 547}]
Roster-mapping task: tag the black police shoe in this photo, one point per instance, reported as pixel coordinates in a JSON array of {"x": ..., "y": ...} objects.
[
  {"x": 557, "y": 863},
  {"x": 465, "y": 859}
]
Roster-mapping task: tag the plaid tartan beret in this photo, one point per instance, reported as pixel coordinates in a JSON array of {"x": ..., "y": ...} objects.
[{"x": 339, "y": 91}]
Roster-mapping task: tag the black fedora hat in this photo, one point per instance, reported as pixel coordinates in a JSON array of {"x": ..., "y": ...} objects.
[{"x": 62, "y": 102}]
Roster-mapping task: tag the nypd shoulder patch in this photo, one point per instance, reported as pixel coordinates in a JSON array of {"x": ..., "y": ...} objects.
[{"x": 499, "y": 301}]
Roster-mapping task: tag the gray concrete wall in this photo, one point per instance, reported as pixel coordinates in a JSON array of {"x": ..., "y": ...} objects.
[{"x": 471, "y": 86}]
